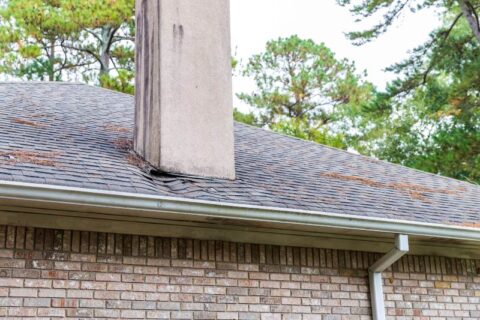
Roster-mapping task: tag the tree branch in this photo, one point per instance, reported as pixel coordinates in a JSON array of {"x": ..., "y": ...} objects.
[
  {"x": 468, "y": 11},
  {"x": 85, "y": 50}
]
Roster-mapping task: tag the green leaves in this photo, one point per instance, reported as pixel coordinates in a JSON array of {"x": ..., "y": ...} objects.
[
  {"x": 302, "y": 89},
  {"x": 429, "y": 118},
  {"x": 30, "y": 51},
  {"x": 386, "y": 12},
  {"x": 301, "y": 129},
  {"x": 122, "y": 82},
  {"x": 68, "y": 39}
]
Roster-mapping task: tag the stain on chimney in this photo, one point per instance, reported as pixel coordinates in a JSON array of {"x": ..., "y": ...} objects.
[
  {"x": 180, "y": 28},
  {"x": 178, "y": 32}
]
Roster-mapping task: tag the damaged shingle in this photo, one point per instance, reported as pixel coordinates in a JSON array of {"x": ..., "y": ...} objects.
[
  {"x": 29, "y": 123},
  {"x": 87, "y": 143},
  {"x": 34, "y": 157},
  {"x": 415, "y": 191}
]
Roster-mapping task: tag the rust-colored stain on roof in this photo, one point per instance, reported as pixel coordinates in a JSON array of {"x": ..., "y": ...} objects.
[
  {"x": 132, "y": 157},
  {"x": 123, "y": 144},
  {"x": 29, "y": 123},
  {"x": 415, "y": 191},
  {"x": 34, "y": 157},
  {"x": 272, "y": 170},
  {"x": 116, "y": 128},
  {"x": 471, "y": 225},
  {"x": 135, "y": 160}
]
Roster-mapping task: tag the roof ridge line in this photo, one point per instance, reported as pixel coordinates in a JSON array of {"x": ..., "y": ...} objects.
[
  {"x": 43, "y": 82},
  {"x": 24, "y": 82}
]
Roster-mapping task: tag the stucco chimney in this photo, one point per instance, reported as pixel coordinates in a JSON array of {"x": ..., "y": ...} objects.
[{"x": 183, "y": 113}]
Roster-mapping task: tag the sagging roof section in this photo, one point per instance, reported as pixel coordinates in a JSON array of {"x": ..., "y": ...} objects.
[{"x": 80, "y": 136}]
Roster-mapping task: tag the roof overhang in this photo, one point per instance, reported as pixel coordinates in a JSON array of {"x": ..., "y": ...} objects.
[{"x": 49, "y": 206}]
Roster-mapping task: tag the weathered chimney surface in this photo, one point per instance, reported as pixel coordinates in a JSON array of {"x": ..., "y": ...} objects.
[{"x": 183, "y": 113}]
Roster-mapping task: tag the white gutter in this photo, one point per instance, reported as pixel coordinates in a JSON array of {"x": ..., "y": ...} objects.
[
  {"x": 375, "y": 274},
  {"x": 189, "y": 208}
]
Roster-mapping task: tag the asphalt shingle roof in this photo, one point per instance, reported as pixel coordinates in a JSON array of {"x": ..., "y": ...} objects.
[{"x": 79, "y": 136}]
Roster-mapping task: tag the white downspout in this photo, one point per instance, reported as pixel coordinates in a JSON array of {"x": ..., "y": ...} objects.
[{"x": 375, "y": 274}]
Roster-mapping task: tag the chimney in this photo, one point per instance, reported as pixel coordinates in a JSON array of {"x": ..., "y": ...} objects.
[{"x": 183, "y": 111}]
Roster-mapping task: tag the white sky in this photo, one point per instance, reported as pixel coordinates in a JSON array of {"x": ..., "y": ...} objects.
[{"x": 254, "y": 22}]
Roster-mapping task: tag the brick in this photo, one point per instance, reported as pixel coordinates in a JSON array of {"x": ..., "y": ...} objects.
[
  {"x": 107, "y": 313},
  {"x": 26, "y": 273},
  {"x": 66, "y": 284},
  {"x": 215, "y": 290},
  {"x": 249, "y": 300},
  {"x": 50, "y": 312},
  {"x": 53, "y": 274},
  {"x": 118, "y": 304},
  {"x": 22, "y": 312},
  {"x": 248, "y": 316},
  {"x": 65, "y": 303},
  {"x": 145, "y": 270},
  {"x": 135, "y": 260},
  {"x": 270, "y": 316},
  {"x": 5, "y": 253},
  {"x": 158, "y": 262},
  {"x": 36, "y": 302},
  {"x": 157, "y": 296},
  {"x": 204, "y": 281},
  {"x": 22, "y": 292},
  {"x": 326, "y": 284},
  {"x": 83, "y": 257},
  {"x": 81, "y": 276},
  {"x": 227, "y": 315},
  {"x": 52, "y": 293},
  {"x": 85, "y": 294},
  {"x": 119, "y": 268},
  {"x": 133, "y": 295},
  {"x": 81, "y": 313},
  {"x": 110, "y": 277},
  {"x": 11, "y": 263},
  {"x": 158, "y": 315},
  {"x": 133, "y": 278},
  {"x": 157, "y": 279},
  {"x": 144, "y": 287},
  {"x": 181, "y": 315},
  {"x": 193, "y": 272},
  {"x": 11, "y": 282},
  {"x": 168, "y": 306},
  {"x": 90, "y": 303},
  {"x": 93, "y": 285},
  {"x": 70, "y": 266},
  {"x": 37, "y": 283},
  {"x": 10, "y": 302},
  {"x": 270, "y": 284},
  {"x": 133, "y": 314},
  {"x": 118, "y": 286},
  {"x": 95, "y": 267},
  {"x": 112, "y": 295},
  {"x": 144, "y": 305}
]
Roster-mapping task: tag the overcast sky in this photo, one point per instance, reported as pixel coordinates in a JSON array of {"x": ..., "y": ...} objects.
[{"x": 254, "y": 22}]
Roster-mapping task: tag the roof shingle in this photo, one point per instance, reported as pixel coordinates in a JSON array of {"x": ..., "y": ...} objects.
[{"x": 79, "y": 136}]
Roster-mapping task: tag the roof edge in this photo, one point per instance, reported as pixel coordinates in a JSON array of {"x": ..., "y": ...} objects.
[{"x": 220, "y": 210}]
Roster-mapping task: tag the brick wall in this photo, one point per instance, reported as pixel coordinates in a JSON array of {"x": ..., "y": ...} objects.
[{"x": 54, "y": 273}]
